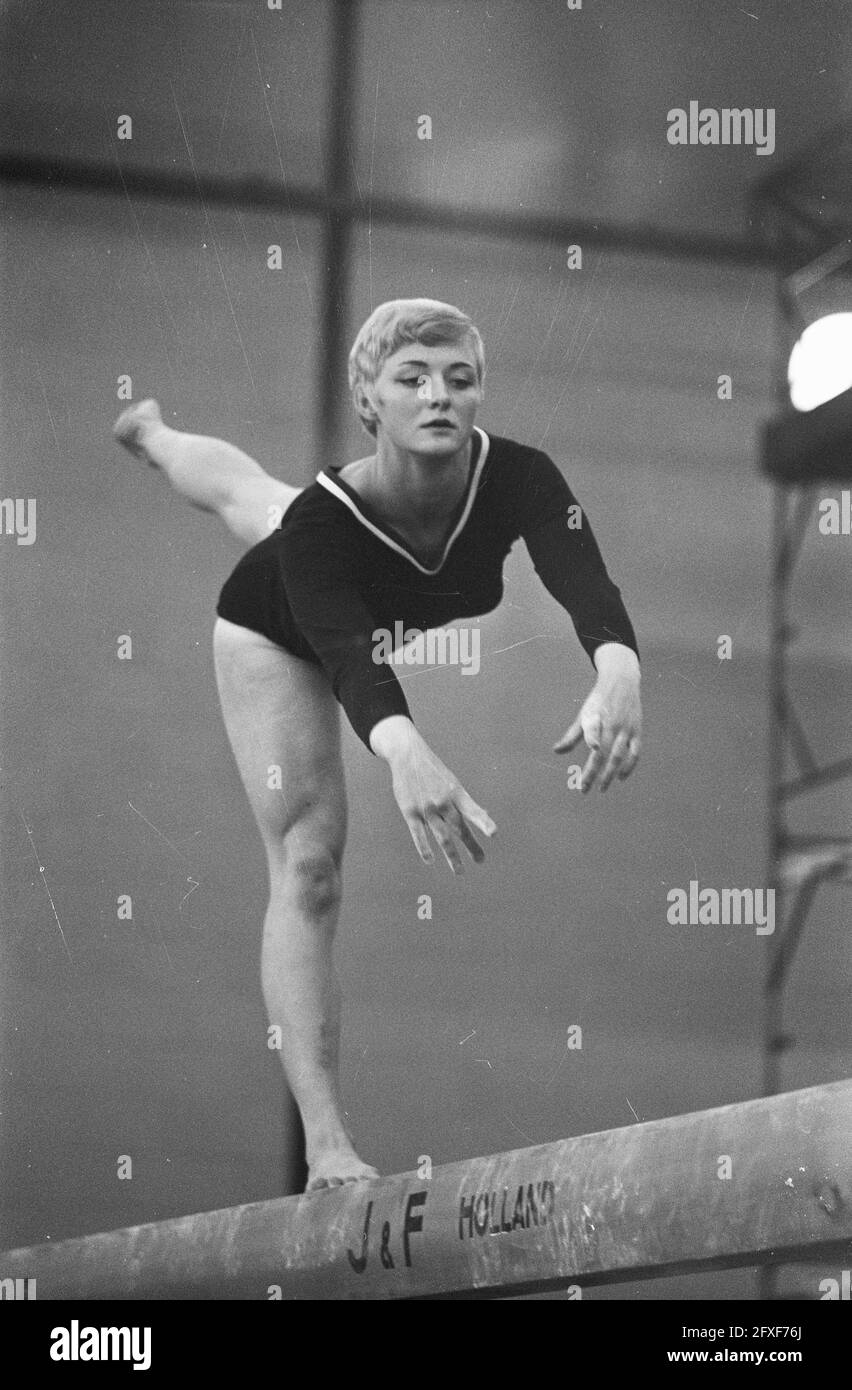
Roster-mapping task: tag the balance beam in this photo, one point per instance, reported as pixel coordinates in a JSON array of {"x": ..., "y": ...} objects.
[{"x": 640, "y": 1202}]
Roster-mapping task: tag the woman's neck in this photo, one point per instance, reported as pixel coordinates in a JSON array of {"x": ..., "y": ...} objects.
[{"x": 418, "y": 489}]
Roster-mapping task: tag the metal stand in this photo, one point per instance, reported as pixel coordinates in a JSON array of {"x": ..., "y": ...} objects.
[{"x": 805, "y": 211}]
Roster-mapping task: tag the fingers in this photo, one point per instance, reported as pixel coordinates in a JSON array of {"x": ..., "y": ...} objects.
[
  {"x": 615, "y": 760},
  {"x": 572, "y": 736},
  {"x": 421, "y": 839},
  {"x": 593, "y": 735},
  {"x": 618, "y": 754},
  {"x": 613, "y": 750},
  {"x": 594, "y": 763},
  {"x": 474, "y": 813},
  {"x": 632, "y": 758},
  {"x": 445, "y": 840},
  {"x": 468, "y": 839},
  {"x": 448, "y": 822}
]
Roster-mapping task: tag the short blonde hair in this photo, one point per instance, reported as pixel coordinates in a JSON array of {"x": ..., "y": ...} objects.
[{"x": 401, "y": 321}]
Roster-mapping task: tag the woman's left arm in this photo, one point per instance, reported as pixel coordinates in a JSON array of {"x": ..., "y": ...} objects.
[
  {"x": 610, "y": 720},
  {"x": 567, "y": 558}
]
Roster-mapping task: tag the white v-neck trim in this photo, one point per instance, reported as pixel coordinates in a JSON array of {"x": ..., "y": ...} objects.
[{"x": 334, "y": 488}]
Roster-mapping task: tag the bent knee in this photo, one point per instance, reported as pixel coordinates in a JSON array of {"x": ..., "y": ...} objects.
[
  {"x": 254, "y": 507},
  {"x": 313, "y": 874}
]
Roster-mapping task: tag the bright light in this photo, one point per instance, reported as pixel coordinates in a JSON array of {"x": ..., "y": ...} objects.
[{"x": 820, "y": 366}]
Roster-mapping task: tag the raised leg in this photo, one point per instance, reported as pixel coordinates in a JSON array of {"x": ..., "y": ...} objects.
[
  {"x": 284, "y": 726},
  {"x": 210, "y": 473}
]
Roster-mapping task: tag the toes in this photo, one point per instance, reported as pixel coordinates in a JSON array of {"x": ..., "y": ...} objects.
[
  {"x": 342, "y": 1178},
  {"x": 322, "y": 1184}
]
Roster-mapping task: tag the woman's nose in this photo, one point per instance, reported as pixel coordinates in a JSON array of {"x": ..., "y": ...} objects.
[{"x": 440, "y": 391}]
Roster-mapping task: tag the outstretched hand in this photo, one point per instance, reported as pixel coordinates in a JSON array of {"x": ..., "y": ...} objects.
[
  {"x": 429, "y": 796},
  {"x": 610, "y": 721}
]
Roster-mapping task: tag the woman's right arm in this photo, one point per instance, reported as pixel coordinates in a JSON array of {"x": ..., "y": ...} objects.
[
  {"x": 325, "y": 600},
  {"x": 324, "y": 597},
  {"x": 428, "y": 795}
]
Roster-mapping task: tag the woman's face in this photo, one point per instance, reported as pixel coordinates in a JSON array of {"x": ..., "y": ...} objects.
[{"x": 425, "y": 398}]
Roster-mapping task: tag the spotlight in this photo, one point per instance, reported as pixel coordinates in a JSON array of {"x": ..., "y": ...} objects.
[
  {"x": 820, "y": 365},
  {"x": 812, "y": 438}
]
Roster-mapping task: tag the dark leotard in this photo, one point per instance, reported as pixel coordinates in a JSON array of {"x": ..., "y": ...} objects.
[{"x": 334, "y": 572}]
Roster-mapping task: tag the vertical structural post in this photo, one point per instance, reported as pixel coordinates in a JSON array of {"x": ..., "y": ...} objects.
[
  {"x": 337, "y": 236},
  {"x": 778, "y": 623},
  {"x": 784, "y": 543},
  {"x": 767, "y": 1279}
]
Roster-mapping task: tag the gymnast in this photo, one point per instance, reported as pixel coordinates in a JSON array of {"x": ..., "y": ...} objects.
[{"x": 417, "y": 533}]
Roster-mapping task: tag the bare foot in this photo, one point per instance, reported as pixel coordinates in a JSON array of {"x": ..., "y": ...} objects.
[
  {"x": 129, "y": 428},
  {"x": 334, "y": 1167}
]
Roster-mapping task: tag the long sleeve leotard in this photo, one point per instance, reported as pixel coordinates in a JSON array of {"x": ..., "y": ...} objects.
[{"x": 335, "y": 573}]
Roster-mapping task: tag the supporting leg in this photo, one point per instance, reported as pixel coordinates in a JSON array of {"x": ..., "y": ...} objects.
[
  {"x": 280, "y": 712},
  {"x": 303, "y": 996}
]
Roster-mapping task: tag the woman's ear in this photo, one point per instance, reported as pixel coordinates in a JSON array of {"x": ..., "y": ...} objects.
[{"x": 364, "y": 402}]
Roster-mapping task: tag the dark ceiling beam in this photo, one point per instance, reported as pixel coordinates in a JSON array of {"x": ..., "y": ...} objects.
[{"x": 257, "y": 193}]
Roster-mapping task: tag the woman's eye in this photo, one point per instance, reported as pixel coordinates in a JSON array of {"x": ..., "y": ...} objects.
[{"x": 460, "y": 383}]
